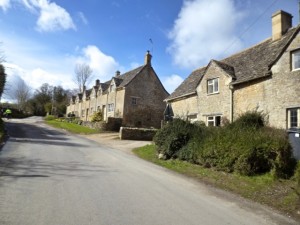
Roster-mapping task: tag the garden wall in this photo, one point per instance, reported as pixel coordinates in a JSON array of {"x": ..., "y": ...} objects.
[{"x": 129, "y": 133}]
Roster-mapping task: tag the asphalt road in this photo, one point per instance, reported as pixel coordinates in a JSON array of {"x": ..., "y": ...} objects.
[{"x": 48, "y": 177}]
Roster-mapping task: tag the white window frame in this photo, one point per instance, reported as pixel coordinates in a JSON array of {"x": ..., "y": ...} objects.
[
  {"x": 213, "y": 120},
  {"x": 213, "y": 86},
  {"x": 111, "y": 107},
  {"x": 293, "y": 118},
  {"x": 296, "y": 64}
]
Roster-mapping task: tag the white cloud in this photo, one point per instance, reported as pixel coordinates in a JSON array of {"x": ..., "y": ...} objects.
[
  {"x": 36, "y": 77},
  {"x": 103, "y": 66},
  {"x": 172, "y": 82},
  {"x": 4, "y": 4},
  {"x": 203, "y": 30},
  {"x": 83, "y": 18},
  {"x": 53, "y": 17}
]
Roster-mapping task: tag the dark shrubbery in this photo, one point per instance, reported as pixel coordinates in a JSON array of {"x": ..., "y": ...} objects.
[
  {"x": 173, "y": 136},
  {"x": 245, "y": 146}
]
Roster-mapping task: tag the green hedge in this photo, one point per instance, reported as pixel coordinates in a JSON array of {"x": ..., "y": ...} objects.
[{"x": 246, "y": 146}]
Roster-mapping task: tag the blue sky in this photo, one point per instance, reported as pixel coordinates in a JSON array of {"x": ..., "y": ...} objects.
[{"x": 42, "y": 40}]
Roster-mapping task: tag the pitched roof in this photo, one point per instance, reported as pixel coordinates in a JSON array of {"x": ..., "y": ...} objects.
[
  {"x": 128, "y": 76},
  {"x": 252, "y": 63}
]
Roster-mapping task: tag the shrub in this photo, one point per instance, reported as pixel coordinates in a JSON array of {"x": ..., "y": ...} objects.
[
  {"x": 50, "y": 117},
  {"x": 245, "y": 146},
  {"x": 297, "y": 175},
  {"x": 248, "y": 119},
  {"x": 97, "y": 116},
  {"x": 173, "y": 136}
]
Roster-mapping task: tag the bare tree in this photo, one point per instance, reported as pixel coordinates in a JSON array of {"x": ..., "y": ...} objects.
[
  {"x": 83, "y": 74},
  {"x": 20, "y": 92}
]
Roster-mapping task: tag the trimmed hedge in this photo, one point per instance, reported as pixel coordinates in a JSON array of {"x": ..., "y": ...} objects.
[{"x": 245, "y": 146}]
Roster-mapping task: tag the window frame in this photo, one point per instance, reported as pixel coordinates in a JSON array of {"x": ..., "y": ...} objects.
[
  {"x": 111, "y": 107},
  {"x": 293, "y": 117},
  {"x": 293, "y": 62},
  {"x": 214, "y": 121},
  {"x": 213, "y": 86},
  {"x": 134, "y": 101}
]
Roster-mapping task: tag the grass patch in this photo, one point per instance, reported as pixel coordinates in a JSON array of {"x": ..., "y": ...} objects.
[
  {"x": 276, "y": 193},
  {"x": 71, "y": 127}
]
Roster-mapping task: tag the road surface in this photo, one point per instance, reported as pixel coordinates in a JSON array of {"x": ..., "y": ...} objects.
[{"x": 49, "y": 177}]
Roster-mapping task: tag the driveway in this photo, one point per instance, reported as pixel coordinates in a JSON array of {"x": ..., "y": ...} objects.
[{"x": 112, "y": 140}]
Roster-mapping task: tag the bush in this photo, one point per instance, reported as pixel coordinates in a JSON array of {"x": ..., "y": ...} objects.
[
  {"x": 49, "y": 117},
  {"x": 173, "y": 136},
  {"x": 249, "y": 119},
  {"x": 246, "y": 146},
  {"x": 97, "y": 116}
]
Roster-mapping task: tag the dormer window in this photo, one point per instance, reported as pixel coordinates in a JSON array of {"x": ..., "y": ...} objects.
[
  {"x": 213, "y": 86},
  {"x": 296, "y": 60}
]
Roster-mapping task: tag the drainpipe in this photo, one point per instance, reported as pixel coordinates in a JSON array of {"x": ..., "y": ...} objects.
[{"x": 231, "y": 102}]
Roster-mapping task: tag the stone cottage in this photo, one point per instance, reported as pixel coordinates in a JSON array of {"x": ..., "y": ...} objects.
[
  {"x": 265, "y": 77},
  {"x": 135, "y": 96}
]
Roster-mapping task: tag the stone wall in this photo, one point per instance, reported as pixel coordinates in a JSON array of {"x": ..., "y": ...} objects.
[
  {"x": 112, "y": 124},
  {"x": 216, "y": 103},
  {"x": 184, "y": 107},
  {"x": 128, "y": 133}
]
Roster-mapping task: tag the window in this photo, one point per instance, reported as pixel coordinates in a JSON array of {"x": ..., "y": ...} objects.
[
  {"x": 133, "y": 101},
  {"x": 213, "y": 86},
  {"x": 214, "y": 121},
  {"x": 192, "y": 117},
  {"x": 111, "y": 107},
  {"x": 294, "y": 118},
  {"x": 296, "y": 60}
]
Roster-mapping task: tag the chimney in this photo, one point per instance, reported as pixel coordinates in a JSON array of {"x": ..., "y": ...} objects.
[
  {"x": 118, "y": 73},
  {"x": 281, "y": 22},
  {"x": 148, "y": 58},
  {"x": 97, "y": 82}
]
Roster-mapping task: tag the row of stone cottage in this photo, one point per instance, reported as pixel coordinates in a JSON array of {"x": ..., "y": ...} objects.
[{"x": 265, "y": 77}]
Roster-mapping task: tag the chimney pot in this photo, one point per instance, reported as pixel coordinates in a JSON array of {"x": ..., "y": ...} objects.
[
  {"x": 118, "y": 73},
  {"x": 281, "y": 23},
  {"x": 97, "y": 82}
]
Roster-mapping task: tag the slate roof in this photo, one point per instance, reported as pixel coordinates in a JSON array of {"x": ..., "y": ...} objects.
[
  {"x": 121, "y": 81},
  {"x": 129, "y": 76},
  {"x": 252, "y": 63}
]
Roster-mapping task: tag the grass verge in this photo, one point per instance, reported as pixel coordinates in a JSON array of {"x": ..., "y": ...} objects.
[
  {"x": 71, "y": 127},
  {"x": 278, "y": 194}
]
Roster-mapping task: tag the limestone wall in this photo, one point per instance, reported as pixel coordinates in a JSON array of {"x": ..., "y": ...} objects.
[
  {"x": 217, "y": 103},
  {"x": 184, "y": 107}
]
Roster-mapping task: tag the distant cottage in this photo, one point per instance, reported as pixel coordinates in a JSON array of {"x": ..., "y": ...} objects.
[
  {"x": 265, "y": 77},
  {"x": 135, "y": 96}
]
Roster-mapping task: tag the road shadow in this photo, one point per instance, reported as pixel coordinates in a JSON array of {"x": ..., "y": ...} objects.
[
  {"x": 22, "y": 168},
  {"x": 46, "y": 142},
  {"x": 24, "y": 130},
  {"x": 31, "y": 133}
]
